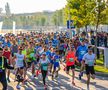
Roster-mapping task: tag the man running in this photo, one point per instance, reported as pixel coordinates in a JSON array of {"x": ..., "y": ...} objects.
[
  {"x": 3, "y": 66},
  {"x": 80, "y": 52},
  {"x": 89, "y": 62},
  {"x": 20, "y": 60}
]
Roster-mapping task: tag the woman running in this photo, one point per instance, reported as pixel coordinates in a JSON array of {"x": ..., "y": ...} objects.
[
  {"x": 20, "y": 60},
  {"x": 70, "y": 62},
  {"x": 43, "y": 65}
]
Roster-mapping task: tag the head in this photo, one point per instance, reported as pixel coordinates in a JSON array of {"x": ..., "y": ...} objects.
[
  {"x": 31, "y": 44},
  {"x": 90, "y": 50},
  {"x": 43, "y": 56},
  {"x": 57, "y": 52},
  {"x": 20, "y": 49},
  {"x": 72, "y": 48},
  {"x": 83, "y": 42},
  {"x": 6, "y": 48}
]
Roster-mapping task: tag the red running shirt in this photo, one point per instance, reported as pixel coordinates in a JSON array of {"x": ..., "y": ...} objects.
[
  {"x": 70, "y": 58},
  {"x": 7, "y": 54}
]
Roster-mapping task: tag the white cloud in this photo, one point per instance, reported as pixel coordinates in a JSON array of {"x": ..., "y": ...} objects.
[{"x": 25, "y": 6}]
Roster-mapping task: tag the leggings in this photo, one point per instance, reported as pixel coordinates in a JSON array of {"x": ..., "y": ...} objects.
[{"x": 44, "y": 74}]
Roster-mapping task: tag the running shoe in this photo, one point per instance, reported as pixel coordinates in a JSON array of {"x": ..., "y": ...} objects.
[
  {"x": 80, "y": 75},
  {"x": 18, "y": 87},
  {"x": 8, "y": 80},
  {"x": 45, "y": 86},
  {"x": 32, "y": 77},
  {"x": 73, "y": 83}
]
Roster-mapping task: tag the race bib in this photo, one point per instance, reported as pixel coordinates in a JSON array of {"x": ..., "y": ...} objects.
[
  {"x": 90, "y": 63},
  {"x": 71, "y": 59},
  {"x": 32, "y": 55},
  {"x": 57, "y": 60},
  {"x": 45, "y": 68},
  {"x": 20, "y": 62},
  {"x": 82, "y": 52}
]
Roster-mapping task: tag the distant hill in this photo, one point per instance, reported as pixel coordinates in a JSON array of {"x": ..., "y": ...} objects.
[{"x": 31, "y": 20}]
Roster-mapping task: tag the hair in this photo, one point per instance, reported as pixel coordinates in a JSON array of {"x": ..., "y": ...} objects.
[{"x": 1, "y": 49}]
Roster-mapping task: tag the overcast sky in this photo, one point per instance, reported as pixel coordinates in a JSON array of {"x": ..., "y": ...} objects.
[{"x": 29, "y": 6}]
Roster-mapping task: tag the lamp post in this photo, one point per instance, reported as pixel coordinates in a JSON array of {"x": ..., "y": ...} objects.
[{"x": 69, "y": 16}]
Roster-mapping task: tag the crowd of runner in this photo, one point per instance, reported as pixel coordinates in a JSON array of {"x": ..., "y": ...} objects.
[{"x": 44, "y": 53}]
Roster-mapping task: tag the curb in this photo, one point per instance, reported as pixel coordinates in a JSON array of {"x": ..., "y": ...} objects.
[
  {"x": 97, "y": 73},
  {"x": 101, "y": 74}
]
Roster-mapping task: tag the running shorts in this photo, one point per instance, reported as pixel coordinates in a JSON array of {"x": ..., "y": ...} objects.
[
  {"x": 89, "y": 69},
  {"x": 70, "y": 67}
]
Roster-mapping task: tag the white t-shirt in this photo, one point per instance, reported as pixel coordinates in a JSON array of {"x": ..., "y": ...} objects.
[
  {"x": 19, "y": 60},
  {"x": 89, "y": 59},
  {"x": 41, "y": 61}
]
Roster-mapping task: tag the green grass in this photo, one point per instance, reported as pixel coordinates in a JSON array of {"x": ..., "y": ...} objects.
[{"x": 100, "y": 66}]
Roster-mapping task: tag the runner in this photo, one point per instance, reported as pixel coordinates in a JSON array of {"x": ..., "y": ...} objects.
[
  {"x": 70, "y": 62},
  {"x": 7, "y": 55},
  {"x": 89, "y": 62},
  {"x": 31, "y": 58},
  {"x": 43, "y": 65},
  {"x": 14, "y": 48},
  {"x": 20, "y": 60},
  {"x": 56, "y": 66},
  {"x": 3, "y": 66},
  {"x": 52, "y": 59},
  {"x": 80, "y": 52}
]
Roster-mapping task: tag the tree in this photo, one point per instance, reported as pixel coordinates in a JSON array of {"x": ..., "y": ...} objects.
[
  {"x": 7, "y": 9},
  {"x": 43, "y": 20},
  {"x": 57, "y": 17},
  {"x": 80, "y": 12}
]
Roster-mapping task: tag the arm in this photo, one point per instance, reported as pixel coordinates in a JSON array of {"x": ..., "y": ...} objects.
[
  {"x": 7, "y": 65},
  {"x": 25, "y": 61},
  {"x": 83, "y": 60}
]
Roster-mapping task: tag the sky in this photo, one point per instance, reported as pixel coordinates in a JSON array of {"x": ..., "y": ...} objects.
[{"x": 29, "y": 6}]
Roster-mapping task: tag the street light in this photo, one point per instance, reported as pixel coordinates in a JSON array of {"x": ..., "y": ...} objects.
[{"x": 69, "y": 22}]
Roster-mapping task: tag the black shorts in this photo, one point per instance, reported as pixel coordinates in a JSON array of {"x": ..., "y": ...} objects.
[
  {"x": 30, "y": 63},
  {"x": 70, "y": 67},
  {"x": 61, "y": 52},
  {"x": 12, "y": 54},
  {"x": 20, "y": 67},
  {"x": 89, "y": 69}
]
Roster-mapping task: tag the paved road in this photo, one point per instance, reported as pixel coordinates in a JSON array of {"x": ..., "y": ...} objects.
[{"x": 62, "y": 83}]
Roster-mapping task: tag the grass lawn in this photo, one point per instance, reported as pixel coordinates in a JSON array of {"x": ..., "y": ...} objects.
[{"x": 100, "y": 66}]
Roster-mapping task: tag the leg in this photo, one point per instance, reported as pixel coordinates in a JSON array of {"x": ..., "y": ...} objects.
[
  {"x": 44, "y": 73},
  {"x": 57, "y": 71},
  {"x": 67, "y": 69},
  {"x": 92, "y": 73},
  {"x": 8, "y": 74},
  {"x": 51, "y": 68},
  {"x": 4, "y": 83},
  {"x": 93, "y": 76},
  {"x": 88, "y": 81},
  {"x": 81, "y": 71},
  {"x": 33, "y": 68},
  {"x": 54, "y": 70},
  {"x": 73, "y": 76}
]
